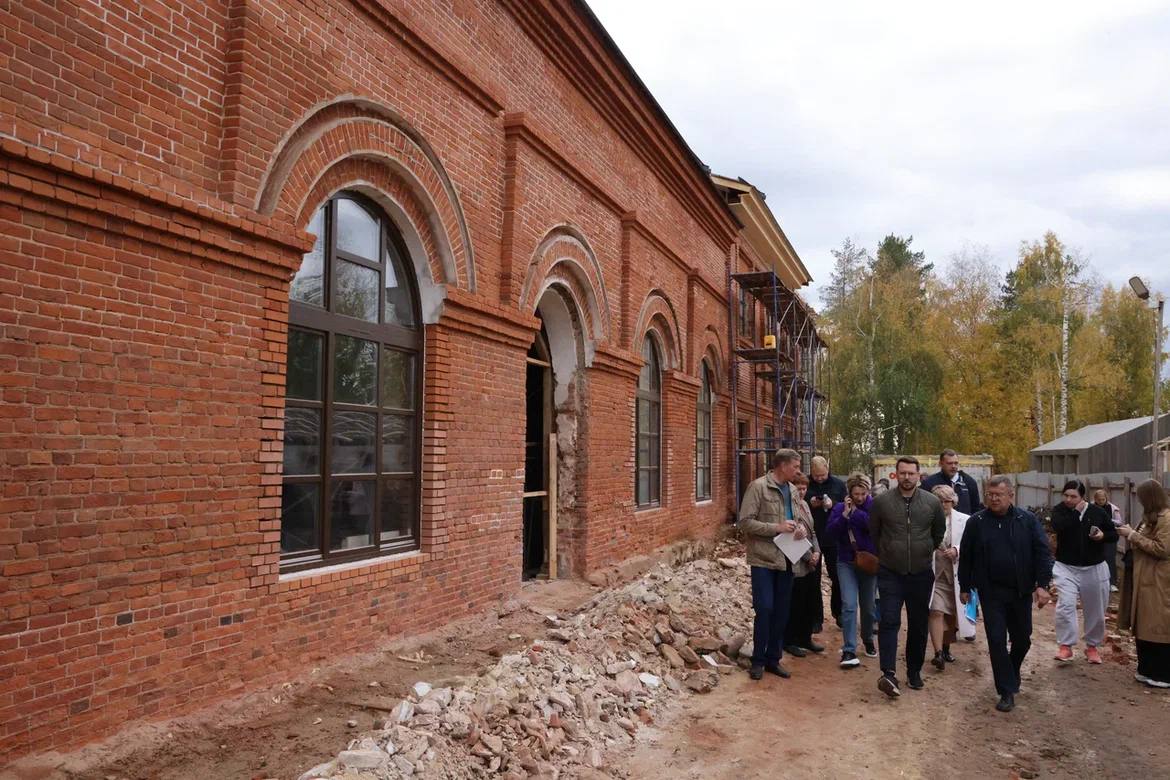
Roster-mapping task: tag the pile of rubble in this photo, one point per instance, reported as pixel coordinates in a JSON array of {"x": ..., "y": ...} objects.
[{"x": 556, "y": 708}]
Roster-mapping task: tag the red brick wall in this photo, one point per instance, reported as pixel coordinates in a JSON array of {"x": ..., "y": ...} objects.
[{"x": 158, "y": 163}]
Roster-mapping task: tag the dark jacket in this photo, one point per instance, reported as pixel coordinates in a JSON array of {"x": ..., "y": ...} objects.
[
  {"x": 832, "y": 487},
  {"x": 1004, "y": 555},
  {"x": 838, "y": 528},
  {"x": 1073, "y": 545},
  {"x": 966, "y": 490},
  {"x": 907, "y": 536}
]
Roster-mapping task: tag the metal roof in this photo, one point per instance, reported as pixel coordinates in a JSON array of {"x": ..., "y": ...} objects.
[{"x": 1092, "y": 435}]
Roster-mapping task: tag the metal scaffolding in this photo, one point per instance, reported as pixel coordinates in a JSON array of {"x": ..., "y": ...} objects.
[{"x": 783, "y": 379}]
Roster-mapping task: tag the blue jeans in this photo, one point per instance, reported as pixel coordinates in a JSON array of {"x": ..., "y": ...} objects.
[
  {"x": 857, "y": 591},
  {"x": 771, "y": 599}
]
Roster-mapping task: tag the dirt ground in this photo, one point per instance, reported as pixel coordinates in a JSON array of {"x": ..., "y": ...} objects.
[
  {"x": 1076, "y": 721},
  {"x": 825, "y": 722},
  {"x": 282, "y": 732}
]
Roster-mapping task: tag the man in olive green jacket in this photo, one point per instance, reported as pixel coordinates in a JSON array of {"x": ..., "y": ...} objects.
[
  {"x": 769, "y": 508},
  {"x": 907, "y": 525}
]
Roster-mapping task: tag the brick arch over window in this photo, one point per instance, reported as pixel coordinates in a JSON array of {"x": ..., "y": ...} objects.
[
  {"x": 565, "y": 259},
  {"x": 351, "y": 127},
  {"x": 658, "y": 314},
  {"x": 712, "y": 351}
]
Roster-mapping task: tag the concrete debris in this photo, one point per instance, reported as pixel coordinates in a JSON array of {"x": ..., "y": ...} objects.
[
  {"x": 556, "y": 707},
  {"x": 362, "y": 759}
]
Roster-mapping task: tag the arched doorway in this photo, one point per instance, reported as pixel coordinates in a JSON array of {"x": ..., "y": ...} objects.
[
  {"x": 539, "y": 500},
  {"x": 553, "y": 425}
]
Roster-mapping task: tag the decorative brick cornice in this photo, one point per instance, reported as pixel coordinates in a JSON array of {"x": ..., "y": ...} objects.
[
  {"x": 384, "y": 17},
  {"x": 575, "y": 41},
  {"x": 49, "y": 183},
  {"x": 466, "y": 312}
]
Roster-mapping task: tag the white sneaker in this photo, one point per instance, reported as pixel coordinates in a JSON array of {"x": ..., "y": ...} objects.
[
  {"x": 1157, "y": 683},
  {"x": 1141, "y": 677}
]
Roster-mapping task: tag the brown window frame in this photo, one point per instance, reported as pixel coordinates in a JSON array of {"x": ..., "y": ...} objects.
[
  {"x": 329, "y": 325},
  {"x": 704, "y": 435},
  {"x": 747, "y": 314},
  {"x": 651, "y": 397}
]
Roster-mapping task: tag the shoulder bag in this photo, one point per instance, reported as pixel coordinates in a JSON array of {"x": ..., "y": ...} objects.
[{"x": 866, "y": 561}]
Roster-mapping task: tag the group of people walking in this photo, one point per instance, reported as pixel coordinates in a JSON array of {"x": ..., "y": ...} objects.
[{"x": 929, "y": 548}]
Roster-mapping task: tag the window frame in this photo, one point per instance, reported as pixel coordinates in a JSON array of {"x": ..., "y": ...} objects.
[
  {"x": 747, "y": 314},
  {"x": 652, "y": 396},
  {"x": 704, "y": 455},
  {"x": 327, "y": 324}
]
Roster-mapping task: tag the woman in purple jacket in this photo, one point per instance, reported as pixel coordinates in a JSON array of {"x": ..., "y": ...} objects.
[{"x": 857, "y": 587}]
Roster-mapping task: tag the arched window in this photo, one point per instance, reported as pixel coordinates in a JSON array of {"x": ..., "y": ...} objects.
[
  {"x": 703, "y": 436},
  {"x": 353, "y": 392},
  {"x": 648, "y": 481}
]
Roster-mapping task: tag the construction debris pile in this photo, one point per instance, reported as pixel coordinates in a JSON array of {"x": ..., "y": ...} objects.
[{"x": 556, "y": 708}]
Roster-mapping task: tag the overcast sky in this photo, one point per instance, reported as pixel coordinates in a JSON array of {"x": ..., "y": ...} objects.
[{"x": 975, "y": 127}]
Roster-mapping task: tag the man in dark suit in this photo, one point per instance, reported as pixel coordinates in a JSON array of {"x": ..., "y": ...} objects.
[
  {"x": 965, "y": 487},
  {"x": 1006, "y": 558}
]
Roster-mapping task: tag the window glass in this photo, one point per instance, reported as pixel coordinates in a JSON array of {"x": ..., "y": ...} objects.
[
  {"x": 302, "y": 441},
  {"x": 351, "y": 513},
  {"x": 397, "y": 443},
  {"x": 399, "y": 300},
  {"x": 398, "y": 501},
  {"x": 357, "y": 291},
  {"x": 648, "y": 430},
  {"x": 353, "y": 439},
  {"x": 354, "y": 371},
  {"x": 357, "y": 231},
  {"x": 304, "y": 365},
  {"x": 308, "y": 285},
  {"x": 397, "y": 379},
  {"x": 703, "y": 436},
  {"x": 300, "y": 507}
]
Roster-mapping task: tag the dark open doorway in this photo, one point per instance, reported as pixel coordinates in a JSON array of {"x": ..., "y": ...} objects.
[{"x": 538, "y": 427}]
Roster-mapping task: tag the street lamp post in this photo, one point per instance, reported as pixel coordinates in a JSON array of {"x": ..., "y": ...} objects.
[{"x": 1158, "y": 304}]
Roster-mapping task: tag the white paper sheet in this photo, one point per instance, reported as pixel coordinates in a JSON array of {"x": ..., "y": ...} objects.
[{"x": 793, "y": 548}]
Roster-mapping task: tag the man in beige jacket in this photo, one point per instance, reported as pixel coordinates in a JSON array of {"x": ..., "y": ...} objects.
[{"x": 769, "y": 508}]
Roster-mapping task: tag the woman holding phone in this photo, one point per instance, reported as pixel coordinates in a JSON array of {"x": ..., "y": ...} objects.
[
  {"x": 848, "y": 526},
  {"x": 1145, "y": 607}
]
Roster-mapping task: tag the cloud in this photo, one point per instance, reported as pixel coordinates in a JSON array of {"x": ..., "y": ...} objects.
[{"x": 957, "y": 125}]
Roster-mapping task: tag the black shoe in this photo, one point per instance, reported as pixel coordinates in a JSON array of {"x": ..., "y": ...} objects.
[
  {"x": 814, "y": 647},
  {"x": 939, "y": 662},
  {"x": 871, "y": 649},
  {"x": 1006, "y": 703},
  {"x": 796, "y": 651},
  {"x": 888, "y": 684},
  {"x": 756, "y": 672},
  {"x": 849, "y": 660},
  {"x": 914, "y": 680},
  {"x": 946, "y": 655},
  {"x": 777, "y": 670}
]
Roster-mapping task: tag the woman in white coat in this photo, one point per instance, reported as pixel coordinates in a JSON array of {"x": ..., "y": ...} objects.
[{"x": 948, "y": 618}]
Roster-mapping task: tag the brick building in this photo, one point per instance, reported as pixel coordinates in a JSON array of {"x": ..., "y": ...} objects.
[{"x": 330, "y": 321}]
